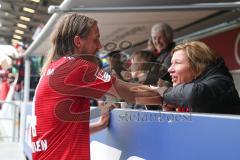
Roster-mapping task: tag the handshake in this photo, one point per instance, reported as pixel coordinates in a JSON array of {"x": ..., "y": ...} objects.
[{"x": 149, "y": 95}]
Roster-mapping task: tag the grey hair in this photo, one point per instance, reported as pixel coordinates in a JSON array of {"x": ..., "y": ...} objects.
[{"x": 163, "y": 28}]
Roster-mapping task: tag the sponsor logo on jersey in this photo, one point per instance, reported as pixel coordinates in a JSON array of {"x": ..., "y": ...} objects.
[{"x": 104, "y": 76}]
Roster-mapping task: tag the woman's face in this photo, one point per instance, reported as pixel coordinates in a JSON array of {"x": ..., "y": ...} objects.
[
  {"x": 180, "y": 69},
  {"x": 159, "y": 40}
]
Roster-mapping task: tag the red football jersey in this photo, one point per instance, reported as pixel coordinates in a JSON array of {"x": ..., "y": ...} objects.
[{"x": 62, "y": 108}]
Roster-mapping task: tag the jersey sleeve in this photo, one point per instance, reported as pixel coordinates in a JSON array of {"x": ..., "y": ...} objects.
[{"x": 81, "y": 78}]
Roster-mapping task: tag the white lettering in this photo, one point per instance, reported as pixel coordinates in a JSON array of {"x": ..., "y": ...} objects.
[
  {"x": 44, "y": 144},
  {"x": 33, "y": 129},
  {"x": 50, "y": 72},
  {"x": 33, "y": 147},
  {"x": 104, "y": 76},
  {"x": 40, "y": 145},
  {"x": 33, "y": 126},
  {"x": 37, "y": 146}
]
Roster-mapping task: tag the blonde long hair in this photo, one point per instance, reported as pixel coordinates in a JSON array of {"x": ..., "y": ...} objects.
[
  {"x": 69, "y": 26},
  {"x": 199, "y": 55}
]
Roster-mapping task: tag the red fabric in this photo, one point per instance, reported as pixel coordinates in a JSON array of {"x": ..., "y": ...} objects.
[
  {"x": 62, "y": 109},
  {"x": 182, "y": 109},
  {"x": 4, "y": 88},
  {"x": 224, "y": 44}
]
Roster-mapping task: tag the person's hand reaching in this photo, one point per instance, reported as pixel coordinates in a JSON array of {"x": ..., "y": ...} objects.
[
  {"x": 105, "y": 109},
  {"x": 103, "y": 121}
]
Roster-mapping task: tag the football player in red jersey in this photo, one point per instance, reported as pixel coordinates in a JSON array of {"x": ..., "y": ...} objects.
[{"x": 60, "y": 128}]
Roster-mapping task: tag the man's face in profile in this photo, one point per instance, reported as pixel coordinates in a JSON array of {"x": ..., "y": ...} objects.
[{"x": 92, "y": 44}]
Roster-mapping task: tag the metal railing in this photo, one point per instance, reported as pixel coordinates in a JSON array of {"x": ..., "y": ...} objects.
[{"x": 9, "y": 121}]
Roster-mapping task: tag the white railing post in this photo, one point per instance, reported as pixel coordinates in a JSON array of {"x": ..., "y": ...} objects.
[{"x": 25, "y": 100}]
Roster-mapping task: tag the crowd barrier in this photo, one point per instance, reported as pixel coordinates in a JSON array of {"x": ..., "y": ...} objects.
[
  {"x": 9, "y": 115},
  {"x": 9, "y": 121},
  {"x": 153, "y": 135}
]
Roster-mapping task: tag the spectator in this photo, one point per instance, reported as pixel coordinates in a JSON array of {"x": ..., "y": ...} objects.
[
  {"x": 162, "y": 41},
  {"x": 18, "y": 67},
  {"x": 141, "y": 66},
  {"x": 117, "y": 66},
  {"x": 201, "y": 81},
  {"x": 150, "y": 45}
]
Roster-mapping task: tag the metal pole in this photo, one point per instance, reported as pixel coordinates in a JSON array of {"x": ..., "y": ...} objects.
[
  {"x": 14, "y": 124},
  {"x": 210, "y": 31},
  {"x": 26, "y": 80},
  {"x": 25, "y": 100},
  {"x": 199, "y": 6}
]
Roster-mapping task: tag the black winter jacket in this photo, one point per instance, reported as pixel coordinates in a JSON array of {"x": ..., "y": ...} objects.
[{"x": 212, "y": 92}]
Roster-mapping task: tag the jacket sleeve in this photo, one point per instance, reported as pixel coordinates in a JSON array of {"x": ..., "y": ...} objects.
[
  {"x": 198, "y": 96},
  {"x": 179, "y": 95}
]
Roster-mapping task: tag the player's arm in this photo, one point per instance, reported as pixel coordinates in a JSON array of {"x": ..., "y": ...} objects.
[
  {"x": 99, "y": 125},
  {"x": 103, "y": 121},
  {"x": 135, "y": 93}
]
